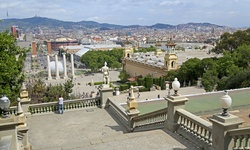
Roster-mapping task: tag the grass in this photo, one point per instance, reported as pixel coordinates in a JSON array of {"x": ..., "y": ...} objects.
[{"x": 201, "y": 104}]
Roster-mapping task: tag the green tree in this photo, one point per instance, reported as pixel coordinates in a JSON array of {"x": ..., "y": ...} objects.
[
  {"x": 11, "y": 64},
  {"x": 68, "y": 85},
  {"x": 239, "y": 80},
  {"x": 171, "y": 75},
  {"x": 229, "y": 42},
  {"x": 209, "y": 80},
  {"x": 190, "y": 70},
  {"x": 148, "y": 81},
  {"x": 95, "y": 59},
  {"x": 123, "y": 76},
  {"x": 226, "y": 65},
  {"x": 241, "y": 56}
]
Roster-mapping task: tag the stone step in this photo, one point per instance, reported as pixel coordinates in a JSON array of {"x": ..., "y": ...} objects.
[{"x": 147, "y": 140}]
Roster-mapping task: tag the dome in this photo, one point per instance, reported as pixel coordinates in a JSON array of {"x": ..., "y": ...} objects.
[{"x": 53, "y": 66}]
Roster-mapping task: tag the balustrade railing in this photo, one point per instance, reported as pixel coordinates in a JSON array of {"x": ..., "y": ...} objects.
[
  {"x": 240, "y": 138},
  {"x": 68, "y": 104},
  {"x": 194, "y": 128},
  {"x": 119, "y": 112},
  {"x": 12, "y": 110},
  {"x": 152, "y": 120}
]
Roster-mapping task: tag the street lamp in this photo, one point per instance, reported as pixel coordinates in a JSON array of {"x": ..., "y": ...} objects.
[
  {"x": 226, "y": 102},
  {"x": 176, "y": 85},
  {"x": 4, "y": 105}
]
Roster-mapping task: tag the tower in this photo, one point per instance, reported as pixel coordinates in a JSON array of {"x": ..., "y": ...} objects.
[
  {"x": 14, "y": 31},
  {"x": 127, "y": 53},
  {"x": 49, "y": 47},
  {"x": 170, "y": 59},
  {"x": 34, "y": 49}
]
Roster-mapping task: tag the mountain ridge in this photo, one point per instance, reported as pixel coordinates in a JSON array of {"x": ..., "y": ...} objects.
[{"x": 55, "y": 23}]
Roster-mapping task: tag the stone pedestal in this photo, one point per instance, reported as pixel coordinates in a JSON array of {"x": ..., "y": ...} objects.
[
  {"x": 8, "y": 133},
  {"x": 105, "y": 93},
  {"x": 222, "y": 124},
  {"x": 131, "y": 114},
  {"x": 174, "y": 103}
]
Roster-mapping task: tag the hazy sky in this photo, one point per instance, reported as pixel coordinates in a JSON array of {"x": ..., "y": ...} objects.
[{"x": 234, "y": 13}]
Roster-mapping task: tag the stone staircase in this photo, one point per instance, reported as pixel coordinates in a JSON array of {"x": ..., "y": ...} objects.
[{"x": 147, "y": 140}]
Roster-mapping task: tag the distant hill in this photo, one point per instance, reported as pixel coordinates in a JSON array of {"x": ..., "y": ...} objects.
[
  {"x": 195, "y": 25},
  {"x": 29, "y": 23}
]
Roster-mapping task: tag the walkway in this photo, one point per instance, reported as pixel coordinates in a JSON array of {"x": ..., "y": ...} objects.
[{"x": 95, "y": 129}]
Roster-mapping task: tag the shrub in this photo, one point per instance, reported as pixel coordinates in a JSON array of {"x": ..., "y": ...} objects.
[{"x": 124, "y": 87}]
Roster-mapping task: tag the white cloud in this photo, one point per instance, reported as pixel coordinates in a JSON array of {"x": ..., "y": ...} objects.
[
  {"x": 131, "y": 11},
  {"x": 170, "y": 2}
]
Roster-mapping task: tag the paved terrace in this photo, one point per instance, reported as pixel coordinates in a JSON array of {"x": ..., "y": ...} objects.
[{"x": 95, "y": 129}]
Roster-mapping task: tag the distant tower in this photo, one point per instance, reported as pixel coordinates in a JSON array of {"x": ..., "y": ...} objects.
[
  {"x": 212, "y": 31},
  {"x": 49, "y": 47},
  {"x": 171, "y": 58},
  {"x": 33, "y": 49},
  {"x": 14, "y": 31}
]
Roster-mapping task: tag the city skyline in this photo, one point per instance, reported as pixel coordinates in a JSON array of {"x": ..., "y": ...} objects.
[{"x": 233, "y": 13}]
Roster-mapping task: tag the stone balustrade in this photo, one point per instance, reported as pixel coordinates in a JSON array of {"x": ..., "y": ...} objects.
[
  {"x": 152, "y": 120},
  {"x": 68, "y": 105},
  {"x": 194, "y": 128},
  {"x": 12, "y": 110},
  {"x": 241, "y": 138},
  {"x": 119, "y": 112}
]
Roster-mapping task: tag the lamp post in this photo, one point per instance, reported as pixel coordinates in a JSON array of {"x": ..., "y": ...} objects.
[
  {"x": 176, "y": 85},
  {"x": 4, "y": 105},
  {"x": 226, "y": 102}
]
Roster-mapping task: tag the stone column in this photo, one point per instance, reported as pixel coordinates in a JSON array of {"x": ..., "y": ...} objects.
[
  {"x": 49, "y": 71},
  {"x": 57, "y": 69},
  {"x": 64, "y": 66},
  {"x": 222, "y": 124},
  {"x": 72, "y": 65},
  {"x": 105, "y": 93},
  {"x": 174, "y": 103}
]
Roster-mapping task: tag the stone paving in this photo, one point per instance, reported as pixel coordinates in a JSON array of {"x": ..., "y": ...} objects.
[{"x": 95, "y": 129}]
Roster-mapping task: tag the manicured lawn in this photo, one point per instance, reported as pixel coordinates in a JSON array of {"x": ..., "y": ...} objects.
[{"x": 201, "y": 104}]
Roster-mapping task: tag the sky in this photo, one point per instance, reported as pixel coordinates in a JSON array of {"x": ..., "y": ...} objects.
[{"x": 233, "y": 13}]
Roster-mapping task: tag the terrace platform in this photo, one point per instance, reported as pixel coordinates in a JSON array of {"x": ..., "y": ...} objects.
[{"x": 95, "y": 129}]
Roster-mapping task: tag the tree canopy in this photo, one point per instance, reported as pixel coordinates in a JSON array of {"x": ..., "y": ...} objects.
[
  {"x": 11, "y": 65},
  {"x": 229, "y": 42},
  {"x": 95, "y": 59},
  {"x": 227, "y": 72}
]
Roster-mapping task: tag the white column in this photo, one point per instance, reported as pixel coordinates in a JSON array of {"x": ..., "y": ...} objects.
[
  {"x": 57, "y": 69},
  {"x": 64, "y": 66},
  {"x": 72, "y": 66},
  {"x": 49, "y": 71}
]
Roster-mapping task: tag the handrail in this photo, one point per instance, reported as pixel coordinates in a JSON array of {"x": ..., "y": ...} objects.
[
  {"x": 195, "y": 126},
  {"x": 154, "y": 120},
  {"x": 68, "y": 104},
  {"x": 241, "y": 138}
]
